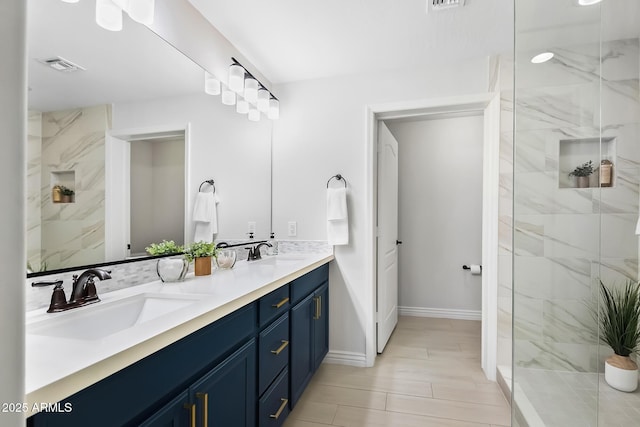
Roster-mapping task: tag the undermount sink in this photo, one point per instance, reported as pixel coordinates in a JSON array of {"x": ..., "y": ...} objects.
[
  {"x": 103, "y": 319},
  {"x": 282, "y": 259}
]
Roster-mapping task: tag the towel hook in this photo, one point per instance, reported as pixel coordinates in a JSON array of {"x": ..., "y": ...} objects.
[
  {"x": 339, "y": 178},
  {"x": 210, "y": 182}
]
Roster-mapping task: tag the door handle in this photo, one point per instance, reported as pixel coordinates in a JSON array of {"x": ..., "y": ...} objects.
[
  {"x": 284, "y": 345},
  {"x": 316, "y": 315},
  {"x": 281, "y": 303},
  {"x": 282, "y": 406},
  {"x": 398, "y": 242},
  {"x": 191, "y": 407},
  {"x": 205, "y": 403}
]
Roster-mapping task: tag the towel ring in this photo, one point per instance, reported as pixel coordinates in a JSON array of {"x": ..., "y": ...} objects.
[
  {"x": 339, "y": 178},
  {"x": 210, "y": 182}
]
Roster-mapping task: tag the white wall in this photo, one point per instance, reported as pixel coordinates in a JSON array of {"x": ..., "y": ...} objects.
[
  {"x": 440, "y": 213},
  {"x": 13, "y": 123},
  {"x": 321, "y": 132},
  {"x": 225, "y": 147},
  {"x": 141, "y": 195}
]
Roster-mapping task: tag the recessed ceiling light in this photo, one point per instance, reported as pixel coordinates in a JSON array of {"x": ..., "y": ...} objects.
[
  {"x": 542, "y": 57},
  {"x": 588, "y": 2}
]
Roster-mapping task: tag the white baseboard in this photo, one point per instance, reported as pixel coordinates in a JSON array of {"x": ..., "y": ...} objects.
[
  {"x": 346, "y": 358},
  {"x": 443, "y": 313}
]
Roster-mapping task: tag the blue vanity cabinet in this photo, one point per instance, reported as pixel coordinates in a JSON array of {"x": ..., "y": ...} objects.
[
  {"x": 176, "y": 413},
  {"x": 309, "y": 330}
]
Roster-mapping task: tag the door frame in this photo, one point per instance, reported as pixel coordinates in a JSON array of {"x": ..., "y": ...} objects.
[{"x": 488, "y": 104}]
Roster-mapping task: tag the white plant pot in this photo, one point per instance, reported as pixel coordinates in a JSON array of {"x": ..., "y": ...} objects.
[{"x": 620, "y": 379}]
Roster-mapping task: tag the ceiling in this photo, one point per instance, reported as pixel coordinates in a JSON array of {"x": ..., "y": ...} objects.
[{"x": 290, "y": 40}]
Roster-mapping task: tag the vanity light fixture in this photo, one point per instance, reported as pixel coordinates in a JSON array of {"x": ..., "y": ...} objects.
[
  {"x": 254, "y": 114},
  {"x": 211, "y": 84},
  {"x": 242, "y": 106},
  {"x": 236, "y": 77},
  {"x": 251, "y": 90},
  {"x": 228, "y": 96},
  {"x": 274, "y": 109},
  {"x": 142, "y": 11},
  {"x": 542, "y": 57},
  {"x": 263, "y": 100},
  {"x": 108, "y": 15}
]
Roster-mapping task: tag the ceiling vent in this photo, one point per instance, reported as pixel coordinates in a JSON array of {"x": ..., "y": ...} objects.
[
  {"x": 436, "y": 5},
  {"x": 61, "y": 64}
]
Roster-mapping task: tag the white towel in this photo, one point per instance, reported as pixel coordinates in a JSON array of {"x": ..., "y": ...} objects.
[
  {"x": 336, "y": 203},
  {"x": 205, "y": 217},
  {"x": 337, "y": 217}
]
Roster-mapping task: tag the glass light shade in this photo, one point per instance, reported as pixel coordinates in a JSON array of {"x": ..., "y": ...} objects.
[
  {"x": 242, "y": 106},
  {"x": 108, "y": 15},
  {"x": 228, "y": 97},
  {"x": 263, "y": 100},
  {"x": 211, "y": 84},
  {"x": 122, "y": 4},
  {"x": 236, "y": 78},
  {"x": 142, "y": 11},
  {"x": 274, "y": 109},
  {"x": 254, "y": 115},
  {"x": 251, "y": 90}
]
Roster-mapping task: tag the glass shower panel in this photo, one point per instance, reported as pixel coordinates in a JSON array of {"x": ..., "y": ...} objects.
[{"x": 556, "y": 205}]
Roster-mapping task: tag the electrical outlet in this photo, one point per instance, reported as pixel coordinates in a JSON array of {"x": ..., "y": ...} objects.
[
  {"x": 292, "y": 229},
  {"x": 252, "y": 227}
]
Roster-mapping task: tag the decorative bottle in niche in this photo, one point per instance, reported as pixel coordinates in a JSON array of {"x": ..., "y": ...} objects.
[
  {"x": 606, "y": 173},
  {"x": 273, "y": 250}
]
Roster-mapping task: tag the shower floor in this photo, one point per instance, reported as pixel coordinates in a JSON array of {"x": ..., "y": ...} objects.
[{"x": 571, "y": 399}]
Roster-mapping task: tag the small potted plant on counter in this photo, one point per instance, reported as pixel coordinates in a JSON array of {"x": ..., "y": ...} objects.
[
  {"x": 619, "y": 319},
  {"x": 201, "y": 253},
  {"x": 582, "y": 173},
  {"x": 169, "y": 268}
]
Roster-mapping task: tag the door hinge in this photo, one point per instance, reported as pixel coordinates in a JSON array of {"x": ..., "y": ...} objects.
[{"x": 377, "y": 317}]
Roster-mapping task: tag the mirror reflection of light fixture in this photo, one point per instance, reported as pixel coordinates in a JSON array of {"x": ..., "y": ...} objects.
[
  {"x": 108, "y": 15},
  {"x": 251, "y": 89},
  {"x": 254, "y": 114},
  {"x": 242, "y": 106},
  {"x": 542, "y": 57},
  {"x": 228, "y": 96},
  {"x": 211, "y": 84},
  {"x": 274, "y": 109},
  {"x": 263, "y": 100},
  {"x": 71, "y": 1},
  {"x": 236, "y": 78}
]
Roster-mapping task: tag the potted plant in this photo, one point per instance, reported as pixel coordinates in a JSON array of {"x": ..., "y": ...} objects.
[
  {"x": 582, "y": 173},
  {"x": 67, "y": 194},
  {"x": 169, "y": 268},
  {"x": 201, "y": 253},
  {"x": 619, "y": 319}
]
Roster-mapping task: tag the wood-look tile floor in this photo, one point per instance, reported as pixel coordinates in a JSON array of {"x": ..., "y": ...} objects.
[{"x": 428, "y": 376}]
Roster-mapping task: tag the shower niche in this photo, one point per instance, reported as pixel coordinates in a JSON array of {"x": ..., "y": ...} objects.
[{"x": 578, "y": 156}]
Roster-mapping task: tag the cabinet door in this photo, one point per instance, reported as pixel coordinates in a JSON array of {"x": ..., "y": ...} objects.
[
  {"x": 176, "y": 413},
  {"x": 320, "y": 325},
  {"x": 226, "y": 396},
  {"x": 301, "y": 330}
]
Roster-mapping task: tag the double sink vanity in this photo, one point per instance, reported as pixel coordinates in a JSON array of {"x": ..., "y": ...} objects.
[{"x": 236, "y": 348}]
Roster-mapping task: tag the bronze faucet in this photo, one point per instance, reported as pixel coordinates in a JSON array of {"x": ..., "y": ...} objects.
[
  {"x": 83, "y": 292},
  {"x": 254, "y": 252}
]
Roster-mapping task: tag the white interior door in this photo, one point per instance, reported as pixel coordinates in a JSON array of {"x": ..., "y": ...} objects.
[
  {"x": 387, "y": 242},
  {"x": 117, "y": 171}
]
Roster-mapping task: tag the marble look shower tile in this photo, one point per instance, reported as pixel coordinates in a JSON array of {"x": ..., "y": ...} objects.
[
  {"x": 538, "y": 193},
  {"x": 553, "y": 278},
  {"x": 622, "y": 197},
  {"x": 573, "y": 235},
  {"x": 626, "y": 143},
  {"x": 569, "y": 321},
  {"x": 620, "y": 102},
  {"x": 613, "y": 270},
  {"x": 506, "y": 152},
  {"x": 530, "y": 152},
  {"x": 555, "y": 356},
  {"x": 618, "y": 236},
  {"x": 505, "y": 271},
  {"x": 619, "y": 59},
  {"x": 505, "y": 233},
  {"x": 528, "y": 236},
  {"x": 527, "y": 322}
]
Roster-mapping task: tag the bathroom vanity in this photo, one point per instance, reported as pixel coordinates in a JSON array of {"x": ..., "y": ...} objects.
[{"x": 236, "y": 348}]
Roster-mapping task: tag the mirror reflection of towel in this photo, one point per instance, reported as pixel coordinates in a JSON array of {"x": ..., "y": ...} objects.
[
  {"x": 205, "y": 217},
  {"x": 337, "y": 216}
]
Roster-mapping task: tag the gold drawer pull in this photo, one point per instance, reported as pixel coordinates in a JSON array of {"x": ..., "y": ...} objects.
[
  {"x": 192, "y": 413},
  {"x": 205, "y": 402},
  {"x": 277, "y": 414},
  {"x": 316, "y": 315},
  {"x": 284, "y": 345},
  {"x": 281, "y": 303}
]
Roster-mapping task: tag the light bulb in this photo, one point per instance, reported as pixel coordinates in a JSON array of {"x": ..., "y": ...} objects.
[
  {"x": 236, "y": 78},
  {"x": 263, "y": 100},
  {"x": 211, "y": 84},
  {"x": 274, "y": 109},
  {"x": 108, "y": 15},
  {"x": 142, "y": 11},
  {"x": 228, "y": 97},
  {"x": 251, "y": 90},
  {"x": 242, "y": 106},
  {"x": 254, "y": 115}
]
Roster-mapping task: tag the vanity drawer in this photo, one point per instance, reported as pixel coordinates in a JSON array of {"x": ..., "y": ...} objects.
[
  {"x": 303, "y": 286},
  {"x": 273, "y": 305},
  {"x": 274, "y": 405},
  {"x": 273, "y": 351}
]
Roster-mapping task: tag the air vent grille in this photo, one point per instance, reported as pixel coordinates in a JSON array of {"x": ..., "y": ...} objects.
[
  {"x": 61, "y": 64},
  {"x": 445, "y": 4}
]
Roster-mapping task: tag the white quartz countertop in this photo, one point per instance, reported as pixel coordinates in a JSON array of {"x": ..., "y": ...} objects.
[{"x": 57, "y": 367}]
